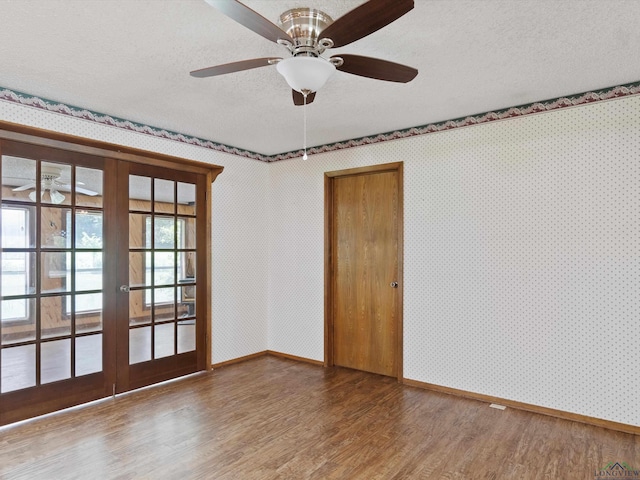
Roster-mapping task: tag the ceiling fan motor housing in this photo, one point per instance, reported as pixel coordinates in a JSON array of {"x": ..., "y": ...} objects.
[
  {"x": 304, "y": 26},
  {"x": 49, "y": 174}
]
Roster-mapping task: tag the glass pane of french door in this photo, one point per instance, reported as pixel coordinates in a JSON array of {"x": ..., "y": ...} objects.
[
  {"x": 52, "y": 290},
  {"x": 164, "y": 329}
]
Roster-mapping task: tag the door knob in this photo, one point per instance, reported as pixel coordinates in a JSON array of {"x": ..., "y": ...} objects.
[
  {"x": 394, "y": 284},
  {"x": 124, "y": 288}
]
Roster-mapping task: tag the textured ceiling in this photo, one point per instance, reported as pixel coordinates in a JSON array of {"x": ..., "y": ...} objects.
[{"x": 131, "y": 59}]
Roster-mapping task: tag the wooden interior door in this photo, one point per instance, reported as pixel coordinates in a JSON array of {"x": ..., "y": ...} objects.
[
  {"x": 161, "y": 308},
  {"x": 57, "y": 326},
  {"x": 365, "y": 272}
]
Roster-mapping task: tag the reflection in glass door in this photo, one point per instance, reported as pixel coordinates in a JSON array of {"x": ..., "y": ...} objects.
[
  {"x": 51, "y": 312},
  {"x": 164, "y": 327}
]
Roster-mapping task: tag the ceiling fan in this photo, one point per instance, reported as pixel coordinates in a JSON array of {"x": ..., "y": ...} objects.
[
  {"x": 307, "y": 33},
  {"x": 51, "y": 182}
]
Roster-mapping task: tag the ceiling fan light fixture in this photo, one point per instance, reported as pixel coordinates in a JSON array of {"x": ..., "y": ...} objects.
[
  {"x": 56, "y": 197},
  {"x": 306, "y": 73}
]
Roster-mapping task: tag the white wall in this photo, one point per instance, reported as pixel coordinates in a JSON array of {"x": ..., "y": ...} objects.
[
  {"x": 240, "y": 223},
  {"x": 522, "y": 259}
]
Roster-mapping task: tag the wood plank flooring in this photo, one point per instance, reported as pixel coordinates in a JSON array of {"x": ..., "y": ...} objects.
[{"x": 272, "y": 418}]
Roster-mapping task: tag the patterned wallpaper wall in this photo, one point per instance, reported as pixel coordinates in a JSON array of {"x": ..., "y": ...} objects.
[{"x": 522, "y": 259}]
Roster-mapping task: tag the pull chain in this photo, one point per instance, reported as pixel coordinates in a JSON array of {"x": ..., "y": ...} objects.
[{"x": 304, "y": 109}]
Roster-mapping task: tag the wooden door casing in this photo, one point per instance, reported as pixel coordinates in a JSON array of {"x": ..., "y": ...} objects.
[{"x": 363, "y": 250}]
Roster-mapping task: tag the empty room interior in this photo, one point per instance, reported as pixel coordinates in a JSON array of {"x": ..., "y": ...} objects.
[{"x": 298, "y": 239}]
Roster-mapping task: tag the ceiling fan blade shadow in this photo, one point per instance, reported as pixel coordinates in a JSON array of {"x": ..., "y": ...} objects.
[
  {"x": 250, "y": 19},
  {"x": 377, "y": 68},
  {"x": 24, "y": 187},
  {"x": 364, "y": 20},
  {"x": 298, "y": 98},
  {"x": 234, "y": 67}
]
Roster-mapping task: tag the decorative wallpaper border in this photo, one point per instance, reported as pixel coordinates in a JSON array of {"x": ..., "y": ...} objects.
[
  {"x": 84, "y": 114},
  {"x": 518, "y": 111}
]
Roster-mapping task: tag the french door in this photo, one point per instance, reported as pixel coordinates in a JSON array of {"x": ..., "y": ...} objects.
[
  {"x": 99, "y": 264},
  {"x": 158, "y": 264}
]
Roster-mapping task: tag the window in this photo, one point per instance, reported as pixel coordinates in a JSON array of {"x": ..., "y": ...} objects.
[{"x": 15, "y": 264}]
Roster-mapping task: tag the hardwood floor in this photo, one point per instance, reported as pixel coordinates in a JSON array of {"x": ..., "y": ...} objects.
[{"x": 271, "y": 418}]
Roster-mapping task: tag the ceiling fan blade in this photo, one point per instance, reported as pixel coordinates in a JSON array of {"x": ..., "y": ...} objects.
[
  {"x": 234, "y": 67},
  {"x": 364, "y": 20},
  {"x": 298, "y": 98},
  {"x": 86, "y": 191},
  {"x": 24, "y": 187},
  {"x": 66, "y": 187},
  {"x": 250, "y": 19},
  {"x": 66, "y": 181},
  {"x": 376, "y": 68}
]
